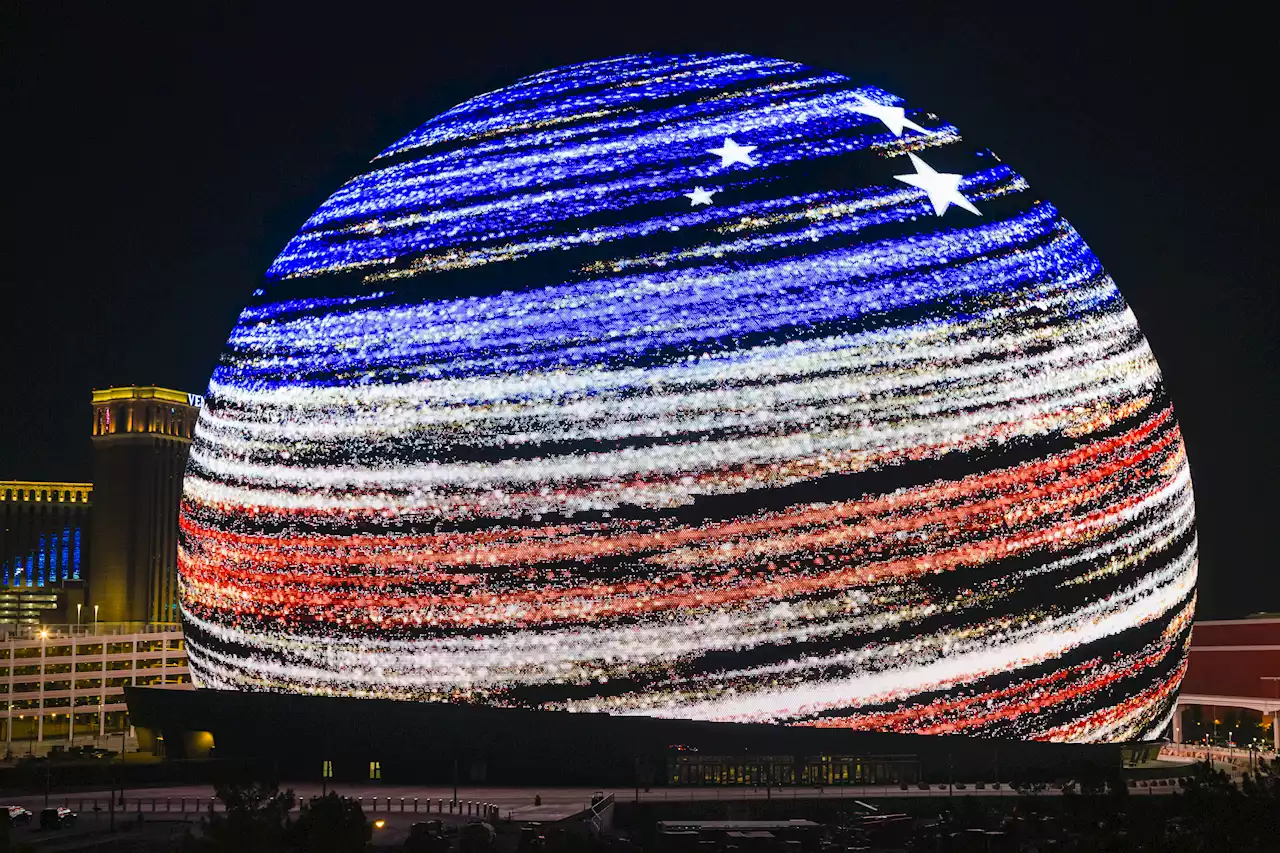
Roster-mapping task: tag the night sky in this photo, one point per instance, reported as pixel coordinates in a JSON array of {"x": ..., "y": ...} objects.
[{"x": 159, "y": 157}]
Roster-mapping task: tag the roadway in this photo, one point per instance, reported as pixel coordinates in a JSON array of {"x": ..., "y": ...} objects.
[
  {"x": 167, "y": 812},
  {"x": 515, "y": 803}
]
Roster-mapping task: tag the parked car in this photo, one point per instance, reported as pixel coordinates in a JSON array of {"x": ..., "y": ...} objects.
[
  {"x": 18, "y": 816},
  {"x": 427, "y": 837},
  {"x": 52, "y": 818}
]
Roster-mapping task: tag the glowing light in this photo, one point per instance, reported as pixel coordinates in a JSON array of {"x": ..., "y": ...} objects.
[
  {"x": 731, "y": 152},
  {"x": 942, "y": 188},
  {"x": 894, "y": 118},
  {"x": 699, "y": 196},
  {"x": 523, "y": 416}
]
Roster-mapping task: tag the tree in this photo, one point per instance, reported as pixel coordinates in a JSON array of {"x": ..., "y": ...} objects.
[
  {"x": 255, "y": 820},
  {"x": 1216, "y": 814},
  {"x": 330, "y": 824}
]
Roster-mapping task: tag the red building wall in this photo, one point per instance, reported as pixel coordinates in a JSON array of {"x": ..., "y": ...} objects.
[{"x": 1234, "y": 657}]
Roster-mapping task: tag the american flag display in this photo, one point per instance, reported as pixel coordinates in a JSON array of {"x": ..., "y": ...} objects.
[{"x": 703, "y": 386}]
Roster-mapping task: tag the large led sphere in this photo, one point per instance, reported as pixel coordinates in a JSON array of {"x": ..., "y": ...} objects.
[{"x": 704, "y": 386}]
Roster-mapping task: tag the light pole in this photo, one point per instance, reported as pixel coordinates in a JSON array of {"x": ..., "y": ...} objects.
[
  {"x": 78, "y": 607},
  {"x": 95, "y": 619},
  {"x": 44, "y": 635},
  {"x": 8, "y": 728},
  {"x": 124, "y": 729}
]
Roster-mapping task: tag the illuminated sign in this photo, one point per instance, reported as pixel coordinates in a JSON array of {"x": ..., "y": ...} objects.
[
  {"x": 706, "y": 386},
  {"x": 195, "y": 400}
]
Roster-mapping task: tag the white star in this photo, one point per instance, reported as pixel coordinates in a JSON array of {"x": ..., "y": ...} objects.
[
  {"x": 894, "y": 118},
  {"x": 732, "y": 153},
  {"x": 700, "y": 196},
  {"x": 943, "y": 187}
]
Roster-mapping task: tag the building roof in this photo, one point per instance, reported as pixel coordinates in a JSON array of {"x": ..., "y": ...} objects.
[
  {"x": 36, "y": 490},
  {"x": 143, "y": 392}
]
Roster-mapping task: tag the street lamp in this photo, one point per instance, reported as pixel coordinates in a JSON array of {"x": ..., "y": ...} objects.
[
  {"x": 95, "y": 619},
  {"x": 44, "y": 635},
  {"x": 8, "y": 728},
  {"x": 78, "y": 606}
]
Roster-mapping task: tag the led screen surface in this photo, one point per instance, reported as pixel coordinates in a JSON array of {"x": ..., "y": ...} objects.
[{"x": 704, "y": 386}]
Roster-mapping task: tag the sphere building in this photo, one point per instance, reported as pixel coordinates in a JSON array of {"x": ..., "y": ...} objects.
[{"x": 704, "y": 386}]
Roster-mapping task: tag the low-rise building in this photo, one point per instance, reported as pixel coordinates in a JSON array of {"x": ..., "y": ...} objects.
[
  {"x": 1231, "y": 694},
  {"x": 65, "y": 683}
]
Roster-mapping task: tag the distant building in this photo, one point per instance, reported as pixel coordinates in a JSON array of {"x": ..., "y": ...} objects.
[
  {"x": 88, "y": 575},
  {"x": 66, "y": 682},
  {"x": 141, "y": 438},
  {"x": 106, "y": 551},
  {"x": 1234, "y": 667},
  {"x": 43, "y": 537},
  {"x": 44, "y": 533}
]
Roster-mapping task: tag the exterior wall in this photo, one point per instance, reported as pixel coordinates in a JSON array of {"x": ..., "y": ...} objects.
[
  {"x": 1236, "y": 632},
  {"x": 426, "y": 742},
  {"x": 1240, "y": 657},
  {"x": 48, "y": 674},
  {"x": 29, "y": 606},
  {"x": 1233, "y": 664},
  {"x": 44, "y": 532},
  {"x": 141, "y": 438}
]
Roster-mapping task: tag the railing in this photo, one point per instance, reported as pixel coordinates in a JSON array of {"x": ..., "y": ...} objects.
[
  {"x": 101, "y": 807},
  {"x": 1233, "y": 755},
  {"x": 88, "y": 629},
  {"x": 600, "y": 814}
]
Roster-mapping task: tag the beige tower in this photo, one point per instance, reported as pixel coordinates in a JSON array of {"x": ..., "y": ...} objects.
[{"x": 141, "y": 438}]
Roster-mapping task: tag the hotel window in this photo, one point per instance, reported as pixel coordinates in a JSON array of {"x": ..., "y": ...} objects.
[{"x": 375, "y": 770}]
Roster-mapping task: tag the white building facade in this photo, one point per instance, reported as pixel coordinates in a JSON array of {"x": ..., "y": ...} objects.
[{"x": 65, "y": 683}]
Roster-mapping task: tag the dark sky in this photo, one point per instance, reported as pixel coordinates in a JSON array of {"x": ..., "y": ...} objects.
[{"x": 158, "y": 156}]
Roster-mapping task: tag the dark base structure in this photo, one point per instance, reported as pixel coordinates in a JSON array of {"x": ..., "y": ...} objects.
[{"x": 405, "y": 742}]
